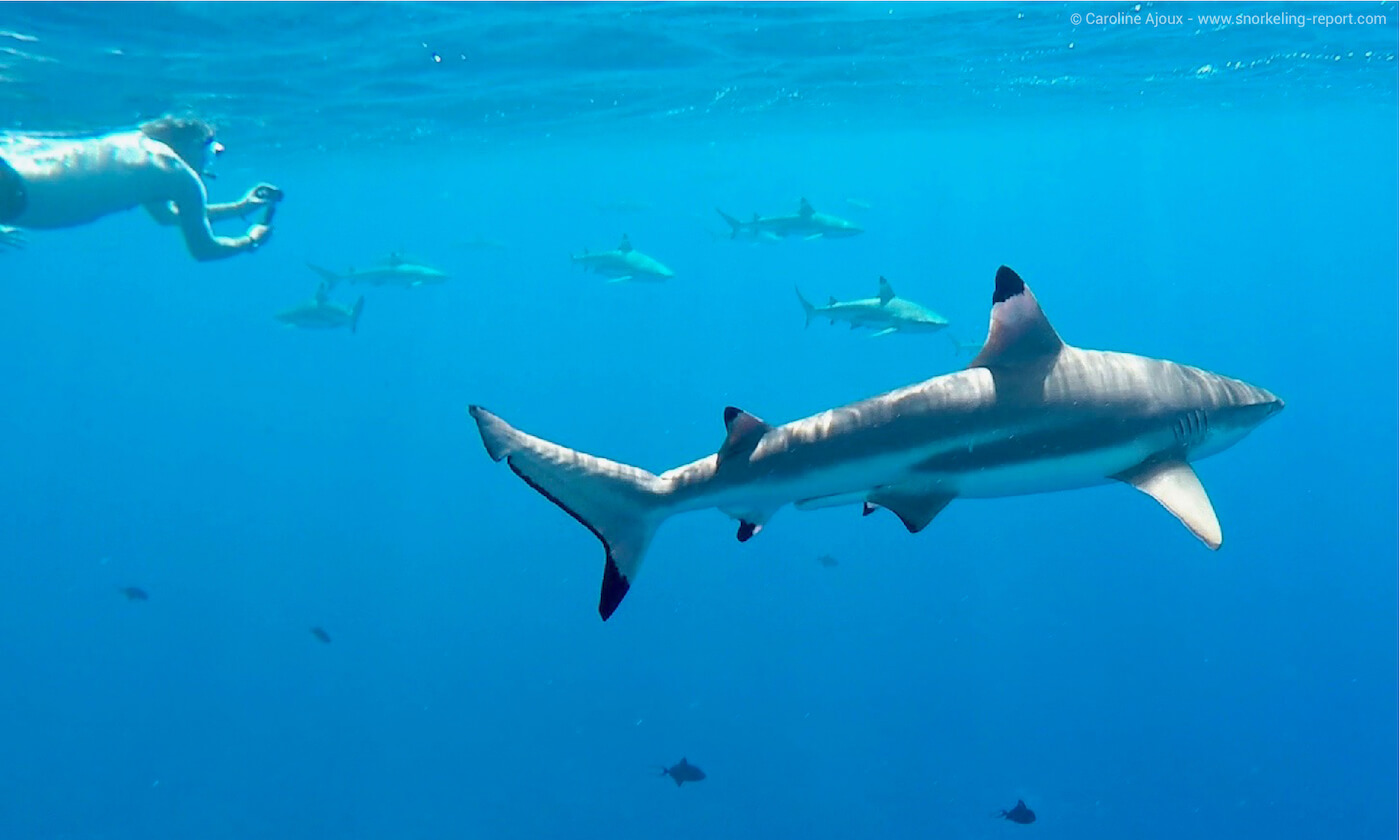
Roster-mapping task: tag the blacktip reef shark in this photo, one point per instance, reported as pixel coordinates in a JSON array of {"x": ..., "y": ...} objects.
[
  {"x": 623, "y": 263},
  {"x": 394, "y": 271},
  {"x": 807, "y": 223},
  {"x": 887, "y": 313},
  {"x": 321, "y": 313},
  {"x": 1030, "y": 414}
]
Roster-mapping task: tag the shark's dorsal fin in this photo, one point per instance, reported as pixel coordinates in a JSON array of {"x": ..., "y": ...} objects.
[
  {"x": 1177, "y": 488},
  {"x": 1019, "y": 331},
  {"x": 805, "y": 210},
  {"x": 323, "y": 291},
  {"x": 886, "y": 291},
  {"x": 831, "y": 300},
  {"x": 916, "y": 509},
  {"x": 742, "y": 433},
  {"x": 626, "y": 245}
]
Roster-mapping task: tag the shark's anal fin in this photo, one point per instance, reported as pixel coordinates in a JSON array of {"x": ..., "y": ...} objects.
[
  {"x": 886, "y": 292},
  {"x": 1177, "y": 488},
  {"x": 916, "y": 509},
  {"x": 742, "y": 432},
  {"x": 1019, "y": 331}
]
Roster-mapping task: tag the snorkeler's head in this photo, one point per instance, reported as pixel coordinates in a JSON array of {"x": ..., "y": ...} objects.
[{"x": 192, "y": 139}]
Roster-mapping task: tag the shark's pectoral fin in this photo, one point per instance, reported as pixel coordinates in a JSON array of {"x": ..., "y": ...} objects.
[
  {"x": 885, "y": 331},
  {"x": 1177, "y": 488},
  {"x": 1019, "y": 332},
  {"x": 916, "y": 509}
]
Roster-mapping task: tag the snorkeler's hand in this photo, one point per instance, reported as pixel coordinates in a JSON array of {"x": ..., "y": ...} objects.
[
  {"x": 261, "y": 195},
  {"x": 258, "y": 236},
  {"x": 11, "y": 237}
]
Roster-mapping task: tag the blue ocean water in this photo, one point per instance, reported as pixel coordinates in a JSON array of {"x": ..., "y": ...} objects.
[{"x": 1223, "y": 195}]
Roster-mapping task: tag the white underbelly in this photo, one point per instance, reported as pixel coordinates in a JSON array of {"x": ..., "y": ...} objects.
[{"x": 1083, "y": 469}]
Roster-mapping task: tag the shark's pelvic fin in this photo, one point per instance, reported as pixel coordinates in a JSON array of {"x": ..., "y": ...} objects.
[
  {"x": 886, "y": 291},
  {"x": 1019, "y": 332},
  {"x": 915, "y": 508},
  {"x": 1178, "y": 489},
  {"x": 742, "y": 432},
  {"x": 885, "y": 331},
  {"x": 621, "y": 505}
]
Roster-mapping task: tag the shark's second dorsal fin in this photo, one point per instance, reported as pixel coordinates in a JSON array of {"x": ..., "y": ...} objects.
[
  {"x": 1019, "y": 331},
  {"x": 626, "y": 245},
  {"x": 886, "y": 291},
  {"x": 743, "y": 431}
]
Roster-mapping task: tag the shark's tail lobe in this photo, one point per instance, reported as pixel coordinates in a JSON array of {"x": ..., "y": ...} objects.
[
  {"x": 330, "y": 277},
  {"x": 621, "y": 505},
  {"x": 356, "y": 312},
  {"x": 807, "y": 307},
  {"x": 734, "y": 224}
]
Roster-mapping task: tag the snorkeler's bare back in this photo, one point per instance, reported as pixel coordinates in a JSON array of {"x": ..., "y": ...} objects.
[{"x": 72, "y": 182}]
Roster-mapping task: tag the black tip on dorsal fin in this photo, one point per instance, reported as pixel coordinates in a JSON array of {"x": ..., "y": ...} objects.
[
  {"x": 886, "y": 291},
  {"x": 742, "y": 432},
  {"x": 1009, "y": 285},
  {"x": 1019, "y": 332}
]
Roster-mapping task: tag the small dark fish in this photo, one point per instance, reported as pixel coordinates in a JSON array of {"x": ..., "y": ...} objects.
[
  {"x": 134, "y": 593},
  {"x": 1020, "y": 814},
  {"x": 827, "y": 561},
  {"x": 683, "y": 772},
  {"x": 321, "y": 634}
]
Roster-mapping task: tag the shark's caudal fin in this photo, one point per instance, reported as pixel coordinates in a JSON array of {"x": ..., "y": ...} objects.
[
  {"x": 734, "y": 224},
  {"x": 807, "y": 306},
  {"x": 621, "y": 505},
  {"x": 356, "y": 312},
  {"x": 330, "y": 278}
]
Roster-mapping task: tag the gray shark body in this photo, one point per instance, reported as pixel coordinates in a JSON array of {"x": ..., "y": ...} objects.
[
  {"x": 806, "y": 223},
  {"x": 1029, "y": 415},
  {"x": 887, "y": 313},
  {"x": 395, "y": 271},
  {"x": 320, "y": 313},
  {"x": 623, "y": 263}
]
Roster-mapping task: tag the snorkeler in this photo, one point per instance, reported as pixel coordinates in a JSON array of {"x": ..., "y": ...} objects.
[{"x": 52, "y": 182}]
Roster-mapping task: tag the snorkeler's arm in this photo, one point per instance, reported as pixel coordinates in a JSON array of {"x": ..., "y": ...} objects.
[
  {"x": 257, "y": 197},
  {"x": 190, "y": 214}
]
